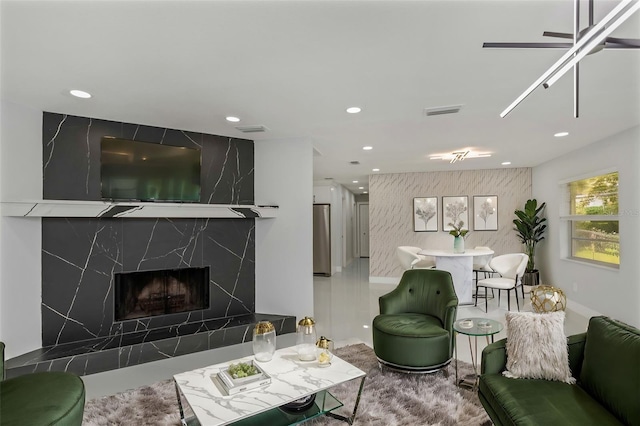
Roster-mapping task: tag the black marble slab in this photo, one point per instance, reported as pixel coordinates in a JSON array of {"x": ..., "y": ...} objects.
[
  {"x": 129, "y": 349},
  {"x": 71, "y": 158},
  {"x": 80, "y": 256}
]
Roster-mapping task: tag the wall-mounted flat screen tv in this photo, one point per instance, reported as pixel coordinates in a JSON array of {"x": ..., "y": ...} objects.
[{"x": 143, "y": 171}]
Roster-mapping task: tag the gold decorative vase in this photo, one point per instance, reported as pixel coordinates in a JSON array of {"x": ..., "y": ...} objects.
[{"x": 546, "y": 298}]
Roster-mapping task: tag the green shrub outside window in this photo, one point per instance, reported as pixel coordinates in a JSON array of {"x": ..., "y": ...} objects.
[{"x": 594, "y": 230}]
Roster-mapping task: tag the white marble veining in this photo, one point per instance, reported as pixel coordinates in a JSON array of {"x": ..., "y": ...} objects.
[
  {"x": 73, "y": 208},
  {"x": 291, "y": 379},
  {"x": 460, "y": 266},
  {"x": 461, "y": 269}
]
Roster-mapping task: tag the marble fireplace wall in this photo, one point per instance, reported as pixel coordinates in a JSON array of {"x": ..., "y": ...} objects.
[{"x": 79, "y": 256}]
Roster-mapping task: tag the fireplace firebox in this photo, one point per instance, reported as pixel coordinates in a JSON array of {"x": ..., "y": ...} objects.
[{"x": 144, "y": 294}]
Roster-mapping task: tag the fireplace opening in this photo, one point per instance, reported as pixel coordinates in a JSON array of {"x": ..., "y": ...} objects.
[{"x": 169, "y": 291}]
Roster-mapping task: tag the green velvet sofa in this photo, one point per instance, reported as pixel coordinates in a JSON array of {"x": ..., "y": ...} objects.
[
  {"x": 606, "y": 364},
  {"x": 41, "y": 399}
]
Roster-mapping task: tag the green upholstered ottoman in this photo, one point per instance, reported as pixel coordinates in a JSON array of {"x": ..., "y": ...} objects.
[
  {"x": 411, "y": 340},
  {"x": 39, "y": 399}
]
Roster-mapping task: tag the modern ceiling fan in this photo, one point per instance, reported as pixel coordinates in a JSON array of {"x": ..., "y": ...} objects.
[{"x": 592, "y": 39}]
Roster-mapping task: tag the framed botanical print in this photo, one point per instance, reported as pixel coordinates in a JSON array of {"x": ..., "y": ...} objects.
[
  {"x": 454, "y": 211},
  {"x": 425, "y": 214},
  {"x": 485, "y": 212}
]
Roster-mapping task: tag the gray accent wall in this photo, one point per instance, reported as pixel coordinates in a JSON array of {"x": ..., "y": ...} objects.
[{"x": 391, "y": 212}]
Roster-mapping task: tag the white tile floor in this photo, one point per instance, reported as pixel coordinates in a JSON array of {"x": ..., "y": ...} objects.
[{"x": 344, "y": 307}]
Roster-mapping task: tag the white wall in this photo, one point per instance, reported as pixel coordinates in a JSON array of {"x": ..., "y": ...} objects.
[
  {"x": 342, "y": 221},
  {"x": 348, "y": 227},
  {"x": 20, "y": 238},
  {"x": 284, "y": 245},
  {"x": 336, "y": 229},
  {"x": 615, "y": 293}
]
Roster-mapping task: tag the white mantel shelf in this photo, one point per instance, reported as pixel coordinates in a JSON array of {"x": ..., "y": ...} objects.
[{"x": 105, "y": 209}]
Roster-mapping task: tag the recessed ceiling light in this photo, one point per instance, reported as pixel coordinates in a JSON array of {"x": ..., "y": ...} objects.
[
  {"x": 355, "y": 181},
  {"x": 365, "y": 192},
  {"x": 232, "y": 119},
  {"x": 365, "y": 326},
  {"x": 353, "y": 110},
  {"x": 80, "y": 94},
  {"x": 375, "y": 170},
  {"x": 506, "y": 163},
  {"x": 367, "y": 148},
  {"x": 361, "y": 187},
  {"x": 561, "y": 134}
]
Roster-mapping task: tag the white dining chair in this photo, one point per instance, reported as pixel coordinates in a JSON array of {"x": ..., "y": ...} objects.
[
  {"x": 511, "y": 268},
  {"x": 481, "y": 262},
  {"x": 481, "y": 265},
  {"x": 410, "y": 259}
]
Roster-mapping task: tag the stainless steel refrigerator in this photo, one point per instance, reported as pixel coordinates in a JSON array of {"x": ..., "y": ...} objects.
[{"x": 322, "y": 239}]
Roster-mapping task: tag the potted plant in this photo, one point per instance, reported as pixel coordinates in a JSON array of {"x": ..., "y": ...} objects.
[
  {"x": 530, "y": 226},
  {"x": 458, "y": 236}
]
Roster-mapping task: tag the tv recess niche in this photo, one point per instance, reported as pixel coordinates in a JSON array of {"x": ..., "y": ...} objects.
[{"x": 144, "y": 171}]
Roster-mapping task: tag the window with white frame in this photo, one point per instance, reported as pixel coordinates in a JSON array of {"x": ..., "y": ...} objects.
[{"x": 592, "y": 219}]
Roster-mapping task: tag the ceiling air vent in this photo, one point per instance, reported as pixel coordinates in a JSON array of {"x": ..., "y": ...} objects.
[
  {"x": 355, "y": 163},
  {"x": 453, "y": 109},
  {"x": 252, "y": 129}
]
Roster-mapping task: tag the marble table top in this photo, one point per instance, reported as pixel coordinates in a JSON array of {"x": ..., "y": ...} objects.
[
  {"x": 450, "y": 253},
  {"x": 291, "y": 379}
]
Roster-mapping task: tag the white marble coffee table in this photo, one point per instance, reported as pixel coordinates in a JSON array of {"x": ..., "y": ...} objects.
[{"x": 291, "y": 380}]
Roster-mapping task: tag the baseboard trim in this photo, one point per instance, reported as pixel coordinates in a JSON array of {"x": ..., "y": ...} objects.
[
  {"x": 581, "y": 310},
  {"x": 384, "y": 280}
]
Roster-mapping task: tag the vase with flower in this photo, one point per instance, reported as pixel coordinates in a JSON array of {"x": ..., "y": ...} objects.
[{"x": 458, "y": 236}]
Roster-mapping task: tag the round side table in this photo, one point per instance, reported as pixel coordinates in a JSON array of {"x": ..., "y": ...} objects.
[{"x": 474, "y": 327}]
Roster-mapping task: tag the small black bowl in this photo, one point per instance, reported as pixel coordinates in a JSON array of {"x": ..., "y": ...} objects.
[{"x": 299, "y": 405}]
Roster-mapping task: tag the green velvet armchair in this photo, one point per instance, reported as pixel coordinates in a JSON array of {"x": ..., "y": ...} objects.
[
  {"x": 37, "y": 399},
  {"x": 414, "y": 331}
]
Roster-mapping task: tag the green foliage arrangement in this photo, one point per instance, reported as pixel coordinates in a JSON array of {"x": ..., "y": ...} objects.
[
  {"x": 530, "y": 226},
  {"x": 242, "y": 369},
  {"x": 457, "y": 230}
]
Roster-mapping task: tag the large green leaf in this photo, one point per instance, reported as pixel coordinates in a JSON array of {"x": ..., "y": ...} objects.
[{"x": 530, "y": 227}]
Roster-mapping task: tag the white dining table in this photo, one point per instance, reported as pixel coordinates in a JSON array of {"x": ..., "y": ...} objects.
[{"x": 460, "y": 266}]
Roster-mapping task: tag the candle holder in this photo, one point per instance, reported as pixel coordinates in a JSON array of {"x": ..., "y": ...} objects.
[{"x": 306, "y": 339}]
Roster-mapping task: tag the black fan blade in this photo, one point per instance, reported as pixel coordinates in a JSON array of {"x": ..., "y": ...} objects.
[
  {"x": 631, "y": 42},
  {"x": 612, "y": 42},
  {"x": 499, "y": 45},
  {"x": 558, "y": 35}
]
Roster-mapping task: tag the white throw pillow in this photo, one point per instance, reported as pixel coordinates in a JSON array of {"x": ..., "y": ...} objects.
[{"x": 537, "y": 346}]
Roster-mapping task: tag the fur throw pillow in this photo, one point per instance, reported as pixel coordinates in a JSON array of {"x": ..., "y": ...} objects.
[{"x": 537, "y": 346}]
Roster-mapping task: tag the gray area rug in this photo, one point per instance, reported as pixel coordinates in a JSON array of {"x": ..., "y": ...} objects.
[{"x": 388, "y": 399}]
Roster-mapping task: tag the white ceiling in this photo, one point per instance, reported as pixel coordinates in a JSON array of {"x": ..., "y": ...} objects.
[{"x": 295, "y": 67}]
